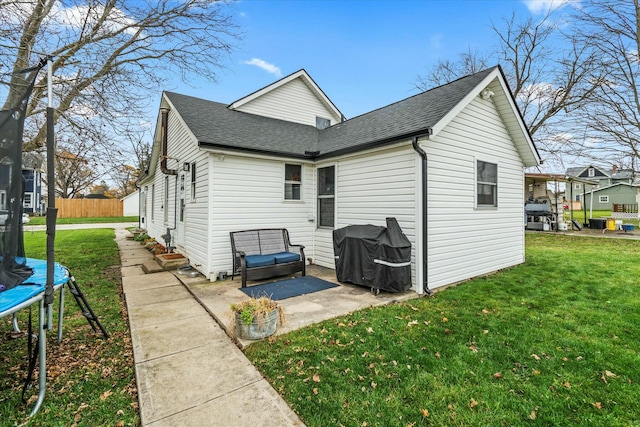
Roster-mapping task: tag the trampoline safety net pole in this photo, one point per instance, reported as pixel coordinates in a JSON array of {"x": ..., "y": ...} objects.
[{"x": 52, "y": 212}]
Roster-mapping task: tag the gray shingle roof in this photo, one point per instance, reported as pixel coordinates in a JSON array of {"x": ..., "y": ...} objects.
[{"x": 214, "y": 124}]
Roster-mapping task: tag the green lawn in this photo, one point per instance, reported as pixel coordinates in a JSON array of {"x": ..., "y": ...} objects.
[
  {"x": 41, "y": 220},
  {"x": 552, "y": 342},
  {"x": 90, "y": 379}
]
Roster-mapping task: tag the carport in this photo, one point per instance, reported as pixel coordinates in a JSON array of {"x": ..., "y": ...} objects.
[{"x": 536, "y": 181}]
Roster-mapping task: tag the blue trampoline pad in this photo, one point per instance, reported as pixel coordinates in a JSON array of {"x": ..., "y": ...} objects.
[{"x": 33, "y": 285}]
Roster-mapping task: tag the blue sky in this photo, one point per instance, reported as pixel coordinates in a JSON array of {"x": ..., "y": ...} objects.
[{"x": 363, "y": 54}]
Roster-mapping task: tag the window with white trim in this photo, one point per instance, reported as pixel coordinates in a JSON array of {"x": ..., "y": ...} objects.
[
  {"x": 326, "y": 196},
  {"x": 591, "y": 172},
  {"x": 603, "y": 199},
  {"x": 486, "y": 184},
  {"x": 292, "y": 181},
  {"x": 26, "y": 202},
  {"x": 577, "y": 186}
]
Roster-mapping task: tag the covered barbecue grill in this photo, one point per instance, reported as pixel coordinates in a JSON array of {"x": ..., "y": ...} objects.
[{"x": 373, "y": 256}]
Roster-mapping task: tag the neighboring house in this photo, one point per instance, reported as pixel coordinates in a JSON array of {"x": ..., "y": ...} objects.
[
  {"x": 609, "y": 188},
  {"x": 131, "y": 204},
  {"x": 605, "y": 197},
  {"x": 447, "y": 163},
  {"x": 32, "y": 172}
]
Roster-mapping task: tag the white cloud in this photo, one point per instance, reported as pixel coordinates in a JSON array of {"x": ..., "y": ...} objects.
[
  {"x": 543, "y": 6},
  {"x": 269, "y": 68}
]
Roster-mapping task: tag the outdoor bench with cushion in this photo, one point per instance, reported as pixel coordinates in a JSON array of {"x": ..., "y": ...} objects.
[{"x": 263, "y": 253}]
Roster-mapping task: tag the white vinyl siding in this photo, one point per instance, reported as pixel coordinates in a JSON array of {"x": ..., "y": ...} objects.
[
  {"x": 247, "y": 194},
  {"x": 463, "y": 241},
  {"x": 182, "y": 149},
  {"x": 369, "y": 188},
  {"x": 293, "y": 102}
]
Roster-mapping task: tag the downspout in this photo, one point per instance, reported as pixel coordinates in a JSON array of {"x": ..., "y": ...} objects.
[
  {"x": 425, "y": 246},
  {"x": 164, "y": 123},
  {"x": 164, "y": 120}
]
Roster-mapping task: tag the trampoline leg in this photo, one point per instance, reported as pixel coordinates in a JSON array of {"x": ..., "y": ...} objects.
[
  {"x": 42, "y": 354},
  {"x": 16, "y": 328},
  {"x": 60, "y": 314}
]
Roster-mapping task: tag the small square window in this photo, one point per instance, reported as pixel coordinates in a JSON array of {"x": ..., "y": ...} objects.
[
  {"x": 322, "y": 123},
  {"x": 577, "y": 186},
  {"x": 603, "y": 199}
]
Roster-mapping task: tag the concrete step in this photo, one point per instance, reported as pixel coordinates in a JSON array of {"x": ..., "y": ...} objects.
[{"x": 152, "y": 266}]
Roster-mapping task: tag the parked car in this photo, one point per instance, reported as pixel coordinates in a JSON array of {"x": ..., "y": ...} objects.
[{"x": 4, "y": 215}]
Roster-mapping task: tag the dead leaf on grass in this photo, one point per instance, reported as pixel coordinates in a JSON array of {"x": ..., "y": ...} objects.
[
  {"x": 534, "y": 414},
  {"x": 473, "y": 403},
  {"x": 535, "y": 356},
  {"x": 425, "y": 413},
  {"x": 316, "y": 378},
  {"x": 597, "y": 405},
  {"x": 498, "y": 375},
  {"x": 413, "y": 322},
  {"x": 104, "y": 395}
]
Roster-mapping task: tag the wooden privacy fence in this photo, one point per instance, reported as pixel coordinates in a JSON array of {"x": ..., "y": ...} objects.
[{"x": 88, "y": 208}]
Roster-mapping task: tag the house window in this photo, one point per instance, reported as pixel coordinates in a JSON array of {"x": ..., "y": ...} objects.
[
  {"x": 577, "y": 186},
  {"x": 591, "y": 172},
  {"x": 193, "y": 181},
  {"x": 603, "y": 199},
  {"x": 326, "y": 196},
  {"x": 27, "y": 200},
  {"x": 487, "y": 184},
  {"x": 292, "y": 181},
  {"x": 322, "y": 123}
]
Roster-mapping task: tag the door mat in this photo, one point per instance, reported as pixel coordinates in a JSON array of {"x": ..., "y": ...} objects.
[{"x": 283, "y": 289}]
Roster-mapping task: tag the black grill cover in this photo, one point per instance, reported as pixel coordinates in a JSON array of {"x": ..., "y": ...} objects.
[{"x": 375, "y": 256}]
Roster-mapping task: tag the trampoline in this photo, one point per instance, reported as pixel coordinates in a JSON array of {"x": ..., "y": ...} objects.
[
  {"x": 24, "y": 281},
  {"x": 30, "y": 292}
]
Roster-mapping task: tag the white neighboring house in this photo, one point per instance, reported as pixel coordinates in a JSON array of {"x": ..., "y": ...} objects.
[
  {"x": 447, "y": 163},
  {"x": 131, "y": 204}
]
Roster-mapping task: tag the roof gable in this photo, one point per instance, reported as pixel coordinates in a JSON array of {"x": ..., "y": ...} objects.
[{"x": 286, "y": 98}]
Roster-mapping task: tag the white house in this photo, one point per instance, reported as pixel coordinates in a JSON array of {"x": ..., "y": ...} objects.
[{"x": 447, "y": 163}]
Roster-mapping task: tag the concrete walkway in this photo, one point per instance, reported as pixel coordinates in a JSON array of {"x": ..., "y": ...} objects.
[{"x": 188, "y": 371}]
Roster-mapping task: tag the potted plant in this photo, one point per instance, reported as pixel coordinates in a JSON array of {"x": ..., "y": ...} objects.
[{"x": 256, "y": 318}]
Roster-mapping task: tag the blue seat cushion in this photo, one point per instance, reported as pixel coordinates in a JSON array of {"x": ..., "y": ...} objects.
[
  {"x": 284, "y": 257},
  {"x": 260, "y": 260}
]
